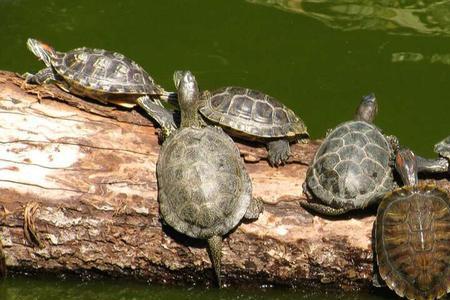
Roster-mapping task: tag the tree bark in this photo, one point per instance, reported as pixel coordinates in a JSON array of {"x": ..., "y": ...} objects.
[{"x": 78, "y": 193}]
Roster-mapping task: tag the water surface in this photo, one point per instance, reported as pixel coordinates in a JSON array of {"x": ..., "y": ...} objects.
[{"x": 317, "y": 56}]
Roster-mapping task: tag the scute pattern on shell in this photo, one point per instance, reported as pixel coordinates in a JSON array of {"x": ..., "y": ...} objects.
[
  {"x": 105, "y": 72},
  {"x": 203, "y": 187},
  {"x": 413, "y": 241},
  {"x": 352, "y": 166},
  {"x": 252, "y": 114}
]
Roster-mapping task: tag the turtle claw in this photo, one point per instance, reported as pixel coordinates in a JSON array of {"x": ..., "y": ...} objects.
[{"x": 279, "y": 152}]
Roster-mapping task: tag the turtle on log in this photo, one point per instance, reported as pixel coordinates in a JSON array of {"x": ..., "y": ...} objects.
[
  {"x": 352, "y": 168},
  {"x": 204, "y": 190},
  {"x": 102, "y": 75},
  {"x": 412, "y": 235}
]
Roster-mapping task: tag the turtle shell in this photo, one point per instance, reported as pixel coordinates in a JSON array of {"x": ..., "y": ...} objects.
[
  {"x": 252, "y": 114},
  {"x": 413, "y": 241},
  {"x": 443, "y": 147},
  {"x": 203, "y": 187},
  {"x": 104, "y": 75},
  {"x": 351, "y": 167}
]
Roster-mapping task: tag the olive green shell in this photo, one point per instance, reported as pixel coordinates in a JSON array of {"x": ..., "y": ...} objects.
[
  {"x": 443, "y": 147},
  {"x": 351, "y": 168},
  {"x": 252, "y": 114},
  {"x": 203, "y": 187},
  {"x": 104, "y": 75},
  {"x": 413, "y": 241}
]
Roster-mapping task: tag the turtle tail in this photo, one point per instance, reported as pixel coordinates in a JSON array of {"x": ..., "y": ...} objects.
[
  {"x": 43, "y": 51},
  {"x": 215, "y": 253}
]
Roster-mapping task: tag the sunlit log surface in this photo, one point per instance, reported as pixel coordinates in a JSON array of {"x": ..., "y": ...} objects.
[{"x": 78, "y": 194}]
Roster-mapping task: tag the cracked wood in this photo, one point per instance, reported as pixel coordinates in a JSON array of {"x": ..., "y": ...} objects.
[{"x": 81, "y": 177}]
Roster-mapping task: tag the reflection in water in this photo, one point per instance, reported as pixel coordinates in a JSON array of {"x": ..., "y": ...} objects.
[
  {"x": 395, "y": 16},
  {"x": 416, "y": 57}
]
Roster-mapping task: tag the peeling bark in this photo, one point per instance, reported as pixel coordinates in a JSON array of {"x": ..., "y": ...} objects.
[{"x": 78, "y": 193}]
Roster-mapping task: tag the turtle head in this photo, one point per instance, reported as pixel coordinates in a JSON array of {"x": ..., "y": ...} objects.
[
  {"x": 406, "y": 166},
  {"x": 43, "y": 51},
  {"x": 188, "y": 98},
  {"x": 367, "y": 109},
  {"x": 187, "y": 88}
]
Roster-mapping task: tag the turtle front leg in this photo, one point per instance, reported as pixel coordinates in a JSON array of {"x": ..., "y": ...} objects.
[
  {"x": 43, "y": 76},
  {"x": 161, "y": 115},
  {"x": 255, "y": 208},
  {"x": 323, "y": 209},
  {"x": 439, "y": 165},
  {"x": 279, "y": 152}
]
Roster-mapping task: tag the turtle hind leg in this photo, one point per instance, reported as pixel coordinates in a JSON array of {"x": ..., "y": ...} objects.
[
  {"x": 255, "y": 208},
  {"x": 323, "y": 209},
  {"x": 215, "y": 253},
  {"x": 46, "y": 75},
  {"x": 279, "y": 152}
]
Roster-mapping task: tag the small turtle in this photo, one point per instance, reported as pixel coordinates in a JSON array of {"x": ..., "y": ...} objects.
[
  {"x": 412, "y": 235},
  {"x": 106, "y": 76},
  {"x": 352, "y": 167},
  {"x": 203, "y": 187},
  {"x": 439, "y": 165},
  {"x": 443, "y": 148},
  {"x": 255, "y": 116}
]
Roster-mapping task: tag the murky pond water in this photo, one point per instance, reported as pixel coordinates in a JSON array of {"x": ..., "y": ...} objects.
[
  {"x": 51, "y": 288},
  {"x": 317, "y": 56}
]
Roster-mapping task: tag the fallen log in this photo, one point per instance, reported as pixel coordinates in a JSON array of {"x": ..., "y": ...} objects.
[{"x": 78, "y": 194}]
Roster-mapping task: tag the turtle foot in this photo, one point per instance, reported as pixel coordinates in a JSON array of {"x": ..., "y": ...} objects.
[
  {"x": 279, "y": 152},
  {"x": 255, "y": 208}
]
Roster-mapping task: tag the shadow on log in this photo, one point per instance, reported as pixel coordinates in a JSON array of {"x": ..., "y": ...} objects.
[{"x": 78, "y": 193}]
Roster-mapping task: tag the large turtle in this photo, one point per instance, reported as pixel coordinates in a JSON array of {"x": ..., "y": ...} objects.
[
  {"x": 352, "y": 167},
  {"x": 412, "y": 235},
  {"x": 203, "y": 188},
  {"x": 106, "y": 76},
  {"x": 255, "y": 116}
]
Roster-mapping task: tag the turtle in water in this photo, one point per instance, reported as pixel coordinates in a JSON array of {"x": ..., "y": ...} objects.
[
  {"x": 412, "y": 235},
  {"x": 255, "y": 116},
  {"x": 353, "y": 166},
  {"x": 203, "y": 187},
  {"x": 106, "y": 76}
]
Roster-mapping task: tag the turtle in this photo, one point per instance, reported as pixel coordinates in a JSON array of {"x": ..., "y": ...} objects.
[
  {"x": 106, "y": 76},
  {"x": 412, "y": 235},
  {"x": 204, "y": 190},
  {"x": 254, "y": 116},
  {"x": 438, "y": 165},
  {"x": 443, "y": 148},
  {"x": 352, "y": 168}
]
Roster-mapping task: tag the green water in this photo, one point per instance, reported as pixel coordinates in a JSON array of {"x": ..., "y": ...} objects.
[
  {"x": 319, "y": 57},
  {"x": 50, "y": 288}
]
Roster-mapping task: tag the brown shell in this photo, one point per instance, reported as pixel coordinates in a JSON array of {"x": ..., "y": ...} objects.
[
  {"x": 252, "y": 114},
  {"x": 104, "y": 75},
  {"x": 413, "y": 241}
]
